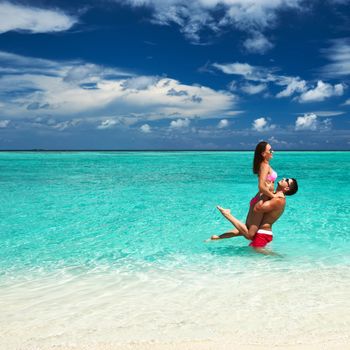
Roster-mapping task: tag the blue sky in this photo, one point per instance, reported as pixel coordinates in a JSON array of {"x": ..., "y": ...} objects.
[{"x": 174, "y": 74}]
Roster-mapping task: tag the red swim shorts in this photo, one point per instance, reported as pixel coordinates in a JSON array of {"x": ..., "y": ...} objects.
[{"x": 261, "y": 238}]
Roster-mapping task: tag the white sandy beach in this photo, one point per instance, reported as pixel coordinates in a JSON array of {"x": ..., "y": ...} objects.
[
  {"x": 333, "y": 345},
  {"x": 178, "y": 310}
]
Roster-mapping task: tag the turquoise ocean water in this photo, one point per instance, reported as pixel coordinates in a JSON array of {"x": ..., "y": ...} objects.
[{"x": 109, "y": 243}]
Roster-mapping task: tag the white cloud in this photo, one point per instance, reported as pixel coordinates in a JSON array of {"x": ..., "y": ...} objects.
[
  {"x": 81, "y": 72},
  {"x": 196, "y": 16},
  {"x": 130, "y": 120},
  {"x": 179, "y": 123},
  {"x": 273, "y": 140},
  {"x": 140, "y": 83},
  {"x": 84, "y": 90},
  {"x": 4, "y": 123},
  {"x": 306, "y": 122},
  {"x": 23, "y": 61},
  {"x": 107, "y": 124},
  {"x": 263, "y": 76},
  {"x": 232, "y": 86},
  {"x": 262, "y": 124},
  {"x": 251, "y": 73},
  {"x": 293, "y": 85},
  {"x": 66, "y": 124},
  {"x": 258, "y": 43},
  {"x": 236, "y": 68},
  {"x": 223, "y": 123},
  {"x": 347, "y": 102},
  {"x": 253, "y": 89},
  {"x": 321, "y": 92},
  {"x": 339, "y": 55},
  {"x": 75, "y": 71},
  {"x": 233, "y": 113},
  {"x": 145, "y": 128},
  {"x": 327, "y": 113},
  {"x": 326, "y": 124},
  {"x": 310, "y": 122},
  {"x": 33, "y": 19}
]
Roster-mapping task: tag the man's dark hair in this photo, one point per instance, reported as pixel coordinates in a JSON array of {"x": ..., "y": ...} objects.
[{"x": 293, "y": 188}]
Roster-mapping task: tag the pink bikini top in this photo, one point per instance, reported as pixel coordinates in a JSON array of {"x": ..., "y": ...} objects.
[{"x": 272, "y": 176}]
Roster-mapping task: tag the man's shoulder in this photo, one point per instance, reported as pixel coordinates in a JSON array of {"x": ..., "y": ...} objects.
[
  {"x": 280, "y": 201},
  {"x": 279, "y": 197}
]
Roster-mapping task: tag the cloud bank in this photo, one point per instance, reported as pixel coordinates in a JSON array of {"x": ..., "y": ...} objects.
[
  {"x": 32, "y": 19},
  {"x": 339, "y": 55},
  {"x": 31, "y": 87},
  {"x": 194, "y": 17},
  {"x": 311, "y": 122},
  {"x": 302, "y": 90}
]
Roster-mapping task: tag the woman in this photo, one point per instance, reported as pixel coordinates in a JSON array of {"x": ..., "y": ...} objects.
[{"x": 266, "y": 179}]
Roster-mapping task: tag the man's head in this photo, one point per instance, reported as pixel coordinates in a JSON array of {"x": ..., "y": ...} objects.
[{"x": 288, "y": 186}]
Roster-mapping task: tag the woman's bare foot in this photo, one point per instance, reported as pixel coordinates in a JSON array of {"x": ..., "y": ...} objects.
[
  {"x": 224, "y": 211},
  {"x": 212, "y": 238},
  {"x": 229, "y": 234}
]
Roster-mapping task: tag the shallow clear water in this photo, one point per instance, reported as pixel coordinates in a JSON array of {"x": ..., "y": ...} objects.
[{"x": 118, "y": 237}]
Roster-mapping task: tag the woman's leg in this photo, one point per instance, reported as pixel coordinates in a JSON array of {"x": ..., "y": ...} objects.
[
  {"x": 229, "y": 234},
  {"x": 253, "y": 222},
  {"x": 241, "y": 228}
]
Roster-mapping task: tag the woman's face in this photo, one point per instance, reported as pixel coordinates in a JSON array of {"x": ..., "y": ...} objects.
[{"x": 268, "y": 153}]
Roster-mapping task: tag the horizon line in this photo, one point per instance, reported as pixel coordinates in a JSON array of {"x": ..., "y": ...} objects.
[{"x": 165, "y": 150}]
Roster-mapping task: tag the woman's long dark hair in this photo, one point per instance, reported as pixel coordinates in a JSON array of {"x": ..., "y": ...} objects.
[{"x": 258, "y": 158}]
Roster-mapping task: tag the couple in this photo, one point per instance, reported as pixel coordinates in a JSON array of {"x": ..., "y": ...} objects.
[{"x": 266, "y": 207}]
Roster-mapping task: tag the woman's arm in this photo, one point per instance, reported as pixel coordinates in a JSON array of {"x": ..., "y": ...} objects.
[
  {"x": 265, "y": 207},
  {"x": 263, "y": 186}
]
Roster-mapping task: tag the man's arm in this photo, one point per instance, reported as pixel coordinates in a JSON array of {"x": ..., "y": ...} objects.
[{"x": 272, "y": 204}]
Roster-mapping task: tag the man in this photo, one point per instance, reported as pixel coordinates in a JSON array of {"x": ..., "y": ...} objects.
[{"x": 272, "y": 210}]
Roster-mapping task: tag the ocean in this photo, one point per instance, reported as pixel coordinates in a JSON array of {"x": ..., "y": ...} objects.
[{"x": 108, "y": 248}]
